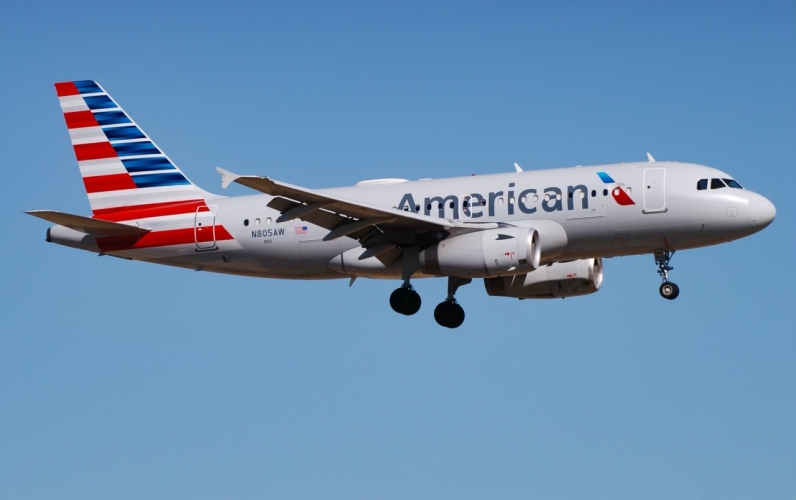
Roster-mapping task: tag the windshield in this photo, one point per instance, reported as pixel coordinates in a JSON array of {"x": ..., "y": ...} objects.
[{"x": 733, "y": 184}]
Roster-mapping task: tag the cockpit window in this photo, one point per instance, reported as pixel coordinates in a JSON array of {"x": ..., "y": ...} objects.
[
  {"x": 732, "y": 184},
  {"x": 702, "y": 184},
  {"x": 716, "y": 184}
]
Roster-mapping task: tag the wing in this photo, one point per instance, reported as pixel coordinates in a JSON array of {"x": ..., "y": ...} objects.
[
  {"x": 378, "y": 229},
  {"x": 87, "y": 224}
]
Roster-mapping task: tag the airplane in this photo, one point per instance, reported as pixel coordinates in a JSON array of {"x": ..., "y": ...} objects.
[{"x": 528, "y": 234}]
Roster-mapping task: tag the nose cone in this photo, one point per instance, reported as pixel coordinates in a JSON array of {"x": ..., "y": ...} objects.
[{"x": 761, "y": 211}]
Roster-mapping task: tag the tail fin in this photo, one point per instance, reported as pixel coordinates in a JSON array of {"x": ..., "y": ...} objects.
[{"x": 122, "y": 168}]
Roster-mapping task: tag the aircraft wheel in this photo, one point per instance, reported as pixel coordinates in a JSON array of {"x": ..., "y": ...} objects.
[
  {"x": 669, "y": 290},
  {"x": 405, "y": 300},
  {"x": 449, "y": 314}
]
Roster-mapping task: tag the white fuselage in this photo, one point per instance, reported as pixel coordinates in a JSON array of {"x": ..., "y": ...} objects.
[{"x": 665, "y": 211}]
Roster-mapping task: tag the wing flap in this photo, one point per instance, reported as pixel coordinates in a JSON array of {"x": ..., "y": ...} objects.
[{"x": 87, "y": 224}]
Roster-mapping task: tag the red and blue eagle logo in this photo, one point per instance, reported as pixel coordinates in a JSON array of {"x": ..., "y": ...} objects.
[{"x": 619, "y": 194}]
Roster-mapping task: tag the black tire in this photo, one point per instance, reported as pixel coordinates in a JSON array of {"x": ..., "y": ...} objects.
[
  {"x": 405, "y": 301},
  {"x": 414, "y": 303},
  {"x": 449, "y": 314},
  {"x": 669, "y": 290}
]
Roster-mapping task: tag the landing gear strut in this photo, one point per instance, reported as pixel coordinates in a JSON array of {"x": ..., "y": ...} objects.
[
  {"x": 449, "y": 313},
  {"x": 668, "y": 290},
  {"x": 406, "y": 300}
]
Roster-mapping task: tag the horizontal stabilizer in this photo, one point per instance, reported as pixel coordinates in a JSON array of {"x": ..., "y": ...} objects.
[{"x": 87, "y": 224}]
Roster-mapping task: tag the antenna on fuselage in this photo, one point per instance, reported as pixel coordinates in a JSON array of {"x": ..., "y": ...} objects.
[
  {"x": 519, "y": 168},
  {"x": 650, "y": 158}
]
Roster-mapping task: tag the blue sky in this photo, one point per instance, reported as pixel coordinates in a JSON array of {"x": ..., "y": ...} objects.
[{"x": 125, "y": 380}]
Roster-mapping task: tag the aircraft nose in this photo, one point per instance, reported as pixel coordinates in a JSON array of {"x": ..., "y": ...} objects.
[{"x": 761, "y": 210}]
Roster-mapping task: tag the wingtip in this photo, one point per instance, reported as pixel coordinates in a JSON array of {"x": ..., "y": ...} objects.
[
  {"x": 517, "y": 167},
  {"x": 650, "y": 158}
]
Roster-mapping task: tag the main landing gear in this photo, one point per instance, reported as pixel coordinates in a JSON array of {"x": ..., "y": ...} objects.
[
  {"x": 405, "y": 300},
  {"x": 668, "y": 290},
  {"x": 449, "y": 313}
]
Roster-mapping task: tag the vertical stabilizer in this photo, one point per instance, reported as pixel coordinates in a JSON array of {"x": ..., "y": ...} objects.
[{"x": 122, "y": 168}]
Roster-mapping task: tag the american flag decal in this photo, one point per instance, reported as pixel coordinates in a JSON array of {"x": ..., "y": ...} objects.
[{"x": 300, "y": 229}]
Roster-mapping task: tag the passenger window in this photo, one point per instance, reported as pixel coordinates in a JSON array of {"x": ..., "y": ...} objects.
[
  {"x": 268, "y": 220},
  {"x": 702, "y": 184},
  {"x": 605, "y": 192},
  {"x": 450, "y": 204},
  {"x": 716, "y": 184},
  {"x": 593, "y": 193},
  {"x": 256, "y": 222},
  {"x": 245, "y": 222},
  {"x": 733, "y": 184}
]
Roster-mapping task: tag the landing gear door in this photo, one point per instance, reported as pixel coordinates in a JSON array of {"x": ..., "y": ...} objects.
[
  {"x": 204, "y": 227},
  {"x": 654, "y": 190}
]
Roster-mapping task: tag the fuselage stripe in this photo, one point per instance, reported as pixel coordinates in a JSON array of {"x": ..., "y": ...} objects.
[
  {"x": 170, "y": 237},
  {"x": 149, "y": 210}
]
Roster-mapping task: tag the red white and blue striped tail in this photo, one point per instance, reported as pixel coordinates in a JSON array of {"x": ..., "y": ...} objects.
[{"x": 122, "y": 168}]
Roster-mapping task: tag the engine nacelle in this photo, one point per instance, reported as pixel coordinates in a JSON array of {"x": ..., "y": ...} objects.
[
  {"x": 493, "y": 252},
  {"x": 559, "y": 280}
]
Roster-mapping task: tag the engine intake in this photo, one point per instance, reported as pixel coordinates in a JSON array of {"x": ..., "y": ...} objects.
[
  {"x": 482, "y": 254},
  {"x": 559, "y": 280}
]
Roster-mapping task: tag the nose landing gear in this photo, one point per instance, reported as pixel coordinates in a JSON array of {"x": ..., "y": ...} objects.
[
  {"x": 668, "y": 290},
  {"x": 449, "y": 313}
]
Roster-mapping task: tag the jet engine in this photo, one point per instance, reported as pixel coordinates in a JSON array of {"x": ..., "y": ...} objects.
[
  {"x": 481, "y": 254},
  {"x": 559, "y": 280}
]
